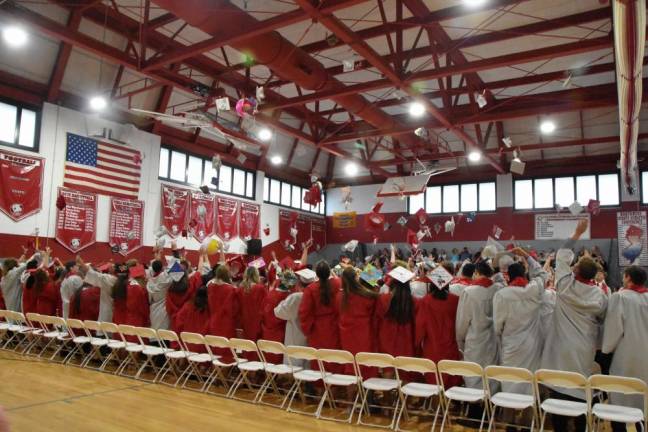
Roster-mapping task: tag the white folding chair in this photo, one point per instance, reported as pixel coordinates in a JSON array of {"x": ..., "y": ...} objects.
[
  {"x": 23, "y": 332},
  {"x": 384, "y": 385},
  {"x": 57, "y": 335},
  {"x": 5, "y": 323},
  {"x": 460, "y": 393},
  {"x": 303, "y": 354},
  {"x": 77, "y": 332},
  {"x": 35, "y": 331},
  {"x": 615, "y": 412},
  {"x": 339, "y": 357},
  {"x": 172, "y": 357},
  {"x": 144, "y": 335},
  {"x": 272, "y": 371},
  {"x": 133, "y": 349},
  {"x": 219, "y": 365},
  {"x": 97, "y": 344},
  {"x": 510, "y": 400},
  {"x": 116, "y": 343},
  {"x": 245, "y": 367},
  {"x": 416, "y": 389},
  {"x": 194, "y": 359},
  {"x": 563, "y": 407}
]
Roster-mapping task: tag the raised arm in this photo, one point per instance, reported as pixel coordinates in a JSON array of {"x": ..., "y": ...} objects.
[
  {"x": 565, "y": 254},
  {"x": 304, "y": 256},
  {"x": 392, "y": 257}
]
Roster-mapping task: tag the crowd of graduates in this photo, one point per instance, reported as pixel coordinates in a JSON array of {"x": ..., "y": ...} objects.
[{"x": 514, "y": 309}]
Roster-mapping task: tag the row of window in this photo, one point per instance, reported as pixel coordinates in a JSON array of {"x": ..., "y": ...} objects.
[
  {"x": 289, "y": 195},
  {"x": 181, "y": 167},
  {"x": 469, "y": 197},
  {"x": 19, "y": 126}
]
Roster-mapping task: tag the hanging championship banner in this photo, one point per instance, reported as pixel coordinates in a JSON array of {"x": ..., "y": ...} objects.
[
  {"x": 202, "y": 215},
  {"x": 76, "y": 222},
  {"x": 631, "y": 231},
  {"x": 343, "y": 220},
  {"x": 227, "y": 218},
  {"x": 175, "y": 209},
  {"x": 288, "y": 221},
  {"x": 303, "y": 230},
  {"x": 21, "y": 184},
  {"x": 318, "y": 233},
  {"x": 249, "y": 221},
  {"x": 126, "y": 226}
]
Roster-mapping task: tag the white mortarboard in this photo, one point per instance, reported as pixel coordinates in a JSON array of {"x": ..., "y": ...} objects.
[
  {"x": 517, "y": 166},
  {"x": 450, "y": 226},
  {"x": 176, "y": 271},
  {"x": 401, "y": 221},
  {"x": 307, "y": 275},
  {"x": 440, "y": 277},
  {"x": 258, "y": 263},
  {"x": 223, "y": 104},
  {"x": 160, "y": 242},
  {"x": 401, "y": 274},
  {"x": 350, "y": 246},
  {"x": 575, "y": 208}
]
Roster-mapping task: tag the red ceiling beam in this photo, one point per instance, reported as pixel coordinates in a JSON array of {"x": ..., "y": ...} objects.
[
  {"x": 65, "y": 50},
  {"x": 161, "y": 21}
]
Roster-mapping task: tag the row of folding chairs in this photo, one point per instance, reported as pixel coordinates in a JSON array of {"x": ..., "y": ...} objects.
[{"x": 235, "y": 367}]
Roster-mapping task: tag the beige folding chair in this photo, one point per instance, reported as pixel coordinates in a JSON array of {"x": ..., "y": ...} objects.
[
  {"x": 34, "y": 322},
  {"x": 563, "y": 407},
  {"x": 418, "y": 390},
  {"x": 5, "y": 324},
  {"x": 626, "y": 413},
  {"x": 77, "y": 332},
  {"x": 464, "y": 394},
  {"x": 219, "y": 366},
  {"x": 244, "y": 367},
  {"x": 194, "y": 359},
  {"x": 132, "y": 350},
  {"x": 518, "y": 401},
  {"x": 57, "y": 335},
  {"x": 116, "y": 344},
  {"x": 96, "y": 343},
  {"x": 172, "y": 357},
  {"x": 384, "y": 385},
  {"x": 345, "y": 358},
  {"x": 303, "y": 354},
  {"x": 23, "y": 332},
  {"x": 272, "y": 371},
  {"x": 144, "y": 335}
]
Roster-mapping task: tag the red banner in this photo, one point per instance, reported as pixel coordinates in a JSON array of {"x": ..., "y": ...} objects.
[
  {"x": 227, "y": 218},
  {"x": 303, "y": 230},
  {"x": 249, "y": 221},
  {"x": 318, "y": 232},
  {"x": 126, "y": 225},
  {"x": 202, "y": 215},
  {"x": 285, "y": 224},
  {"x": 175, "y": 209},
  {"x": 75, "y": 224},
  {"x": 21, "y": 184}
]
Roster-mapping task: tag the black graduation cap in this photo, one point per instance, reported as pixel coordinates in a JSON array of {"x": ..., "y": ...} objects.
[
  {"x": 214, "y": 181},
  {"x": 205, "y": 189},
  {"x": 114, "y": 249}
]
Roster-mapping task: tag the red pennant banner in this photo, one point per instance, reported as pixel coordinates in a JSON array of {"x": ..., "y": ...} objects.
[
  {"x": 175, "y": 209},
  {"x": 227, "y": 218},
  {"x": 318, "y": 233},
  {"x": 202, "y": 215},
  {"x": 21, "y": 184},
  {"x": 126, "y": 224},
  {"x": 249, "y": 221},
  {"x": 76, "y": 222}
]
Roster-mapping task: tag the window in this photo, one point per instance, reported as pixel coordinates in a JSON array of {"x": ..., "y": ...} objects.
[
  {"x": 19, "y": 126},
  {"x": 289, "y": 195},
  {"x": 545, "y": 193},
  {"x": 644, "y": 187},
  {"x": 467, "y": 197},
  {"x": 180, "y": 167}
]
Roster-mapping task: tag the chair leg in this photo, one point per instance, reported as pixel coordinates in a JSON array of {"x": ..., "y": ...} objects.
[
  {"x": 486, "y": 409},
  {"x": 436, "y": 413},
  {"x": 492, "y": 419},
  {"x": 365, "y": 395},
  {"x": 542, "y": 421},
  {"x": 445, "y": 414},
  {"x": 403, "y": 404}
]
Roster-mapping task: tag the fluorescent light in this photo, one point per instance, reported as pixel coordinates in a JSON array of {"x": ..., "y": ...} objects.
[
  {"x": 416, "y": 109},
  {"x": 547, "y": 127},
  {"x": 98, "y": 103},
  {"x": 276, "y": 160},
  {"x": 14, "y": 36},
  {"x": 474, "y": 3},
  {"x": 265, "y": 134},
  {"x": 351, "y": 169},
  {"x": 474, "y": 156}
]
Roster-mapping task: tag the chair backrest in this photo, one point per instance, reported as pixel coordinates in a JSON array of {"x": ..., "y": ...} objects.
[
  {"x": 461, "y": 368},
  {"x": 74, "y": 323},
  {"x": 192, "y": 338},
  {"x": 335, "y": 356},
  {"x": 509, "y": 374},
  {"x": 146, "y": 332},
  {"x": 33, "y": 319},
  {"x": 216, "y": 341},
  {"x": 271, "y": 347},
  {"x": 18, "y": 317},
  {"x": 92, "y": 325},
  {"x": 109, "y": 328},
  {"x": 168, "y": 335},
  {"x": 127, "y": 330},
  {"x": 415, "y": 364},
  {"x": 3, "y": 314},
  {"x": 301, "y": 352},
  {"x": 57, "y": 321},
  {"x": 374, "y": 359},
  {"x": 245, "y": 345},
  {"x": 564, "y": 379},
  {"x": 618, "y": 384}
]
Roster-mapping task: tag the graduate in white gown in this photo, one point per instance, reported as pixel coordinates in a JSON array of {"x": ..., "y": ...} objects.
[
  {"x": 157, "y": 285},
  {"x": 463, "y": 279},
  {"x": 626, "y": 334},
  {"x": 70, "y": 285},
  {"x": 11, "y": 282},
  {"x": 105, "y": 283}
]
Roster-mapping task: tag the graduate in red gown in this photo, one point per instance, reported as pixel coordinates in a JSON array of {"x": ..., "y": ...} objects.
[
  {"x": 33, "y": 275},
  {"x": 252, "y": 294},
  {"x": 84, "y": 304},
  {"x": 48, "y": 299},
  {"x": 395, "y": 312},
  {"x": 182, "y": 291},
  {"x": 193, "y": 317},
  {"x": 130, "y": 300},
  {"x": 224, "y": 306},
  {"x": 274, "y": 329},
  {"x": 435, "y": 328}
]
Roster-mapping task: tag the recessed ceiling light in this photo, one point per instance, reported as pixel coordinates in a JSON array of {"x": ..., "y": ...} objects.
[
  {"x": 547, "y": 127},
  {"x": 474, "y": 156},
  {"x": 351, "y": 169},
  {"x": 265, "y": 134},
  {"x": 416, "y": 109},
  {"x": 276, "y": 159},
  {"x": 98, "y": 103},
  {"x": 474, "y": 3},
  {"x": 14, "y": 36}
]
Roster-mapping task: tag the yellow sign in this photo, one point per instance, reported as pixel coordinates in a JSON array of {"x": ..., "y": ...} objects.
[{"x": 343, "y": 220}]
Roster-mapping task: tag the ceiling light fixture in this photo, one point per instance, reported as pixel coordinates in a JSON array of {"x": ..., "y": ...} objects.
[
  {"x": 474, "y": 156},
  {"x": 265, "y": 134},
  {"x": 98, "y": 103},
  {"x": 351, "y": 169},
  {"x": 416, "y": 109},
  {"x": 14, "y": 36},
  {"x": 276, "y": 160},
  {"x": 547, "y": 127}
]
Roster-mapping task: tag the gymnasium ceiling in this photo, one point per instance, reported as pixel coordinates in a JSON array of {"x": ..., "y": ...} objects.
[{"x": 531, "y": 60}]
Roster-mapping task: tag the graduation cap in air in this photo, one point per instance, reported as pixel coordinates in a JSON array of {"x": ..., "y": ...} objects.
[
  {"x": 214, "y": 181},
  {"x": 437, "y": 227},
  {"x": 350, "y": 246},
  {"x": 594, "y": 207},
  {"x": 412, "y": 239},
  {"x": 114, "y": 249},
  {"x": 205, "y": 189},
  {"x": 402, "y": 221},
  {"x": 421, "y": 216},
  {"x": 176, "y": 271},
  {"x": 137, "y": 271},
  {"x": 161, "y": 231},
  {"x": 257, "y": 263},
  {"x": 60, "y": 202},
  {"x": 401, "y": 274},
  {"x": 575, "y": 208},
  {"x": 374, "y": 220},
  {"x": 450, "y": 226}
]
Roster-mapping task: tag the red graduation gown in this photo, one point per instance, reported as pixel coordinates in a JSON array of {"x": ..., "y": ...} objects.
[
  {"x": 435, "y": 332},
  {"x": 48, "y": 302},
  {"x": 175, "y": 300},
  {"x": 274, "y": 329},
  {"x": 393, "y": 338},
  {"x": 88, "y": 304},
  {"x": 357, "y": 328},
  {"x": 319, "y": 322},
  {"x": 29, "y": 299},
  {"x": 224, "y": 309},
  {"x": 2, "y": 303},
  {"x": 133, "y": 310},
  {"x": 252, "y": 303},
  {"x": 190, "y": 319}
]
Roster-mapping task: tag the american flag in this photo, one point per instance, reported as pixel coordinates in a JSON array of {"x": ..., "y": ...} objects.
[{"x": 102, "y": 168}]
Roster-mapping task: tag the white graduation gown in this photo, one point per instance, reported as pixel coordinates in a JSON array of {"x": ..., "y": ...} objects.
[
  {"x": 288, "y": 310},
  {"x": 546, "y": 311},
  {"x": 157, "y": 287},
  {"x": 474, "y": 327},
  {"x": 418, "y": 289},
  {"x": 12, "y": 288},
  {"x": 571, "y": 342},
  {"x": 69, "y": 286},
  {"x": 104, "y": 282},
  {"x": 518, "y": 327},
  {"x": 626, "y": 334}
]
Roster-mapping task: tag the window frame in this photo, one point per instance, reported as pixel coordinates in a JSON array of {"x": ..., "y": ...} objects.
[
  {"x": 459, "y": 185},
  {"x": 320, "y": 210},
  {"x": 37, "y": 125}
]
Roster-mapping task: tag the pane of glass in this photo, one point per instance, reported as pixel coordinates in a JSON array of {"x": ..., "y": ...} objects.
[
  {"x": 487, "y": 197},
  {"x": 249, "y": 185},
  {"x": 225, "y": 179},
  {"x": 543, "y": 193},
  {"x": 451, "y": 199},
  {"x": 416, "y": 202},
  {"x": 164, "y": 163},
  {"x": 194, "y": 173},
  {"x": 644, "y": 186},
  {"x": 296, "y": 195},
  {"x": 322, "y": 205},
  {"x": 208, "y": 174},
  {"x": 238, "y": 183},
  {"x": 469, "y": 197},
  {"x": 266, "y": 188},
  {"x": 275, "y": 191},
  {"x": 27, "y": 128},
  {"x": 585, "y": 189},
  {"x": 564, "y": 191},
  {"x": 178, "y": 166},
  {"x": 608, "y": 185},
  {"x": 285, "y": 194},
  {"x": 8, "y": 114},
  {"x": 433, "y": 199},
  {"x": 523, "y": 194},
  {"x": 304, "y": 206}
]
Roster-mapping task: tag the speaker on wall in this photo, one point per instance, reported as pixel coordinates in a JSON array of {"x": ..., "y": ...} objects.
[{"x": 254, "y": 247}]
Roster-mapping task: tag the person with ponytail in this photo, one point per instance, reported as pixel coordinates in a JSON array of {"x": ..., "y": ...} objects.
[
  {"x": 224, "y": 306},
  {"x": 193, "y": 317},
  {"x": 182, "y": 291},
  {"x": 105, "y": 282},
  {"x": 130, "y": 298},
  {"x": 252, "y": 294},
  {"x": 395, "y": 312},
  {"x": 84, "y": 304},
  {"x": 274, "y": 328}
]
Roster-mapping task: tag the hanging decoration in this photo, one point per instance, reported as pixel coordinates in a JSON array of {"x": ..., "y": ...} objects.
[{"x": 246, "y": 107}]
